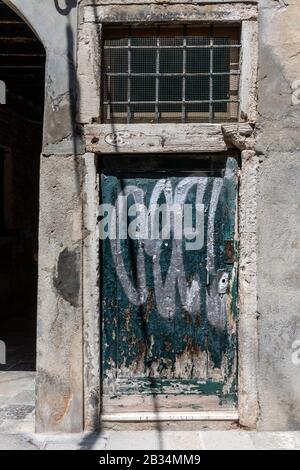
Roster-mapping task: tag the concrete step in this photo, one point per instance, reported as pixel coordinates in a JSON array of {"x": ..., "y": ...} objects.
[{"x": 153, "y": 440}]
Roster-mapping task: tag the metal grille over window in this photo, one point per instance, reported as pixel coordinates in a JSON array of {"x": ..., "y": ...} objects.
[{"x": 171, "y": 74}]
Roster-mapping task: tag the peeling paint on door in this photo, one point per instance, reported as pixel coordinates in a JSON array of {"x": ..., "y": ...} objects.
[{"x": 168, "y": 313}]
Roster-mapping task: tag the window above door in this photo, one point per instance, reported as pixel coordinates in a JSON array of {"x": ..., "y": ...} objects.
[
  {"x": 159, "y": 73},
  {"x": 169, "y": 78}
]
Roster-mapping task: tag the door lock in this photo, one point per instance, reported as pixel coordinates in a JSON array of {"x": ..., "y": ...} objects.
[{"x": 223, "y": 283}]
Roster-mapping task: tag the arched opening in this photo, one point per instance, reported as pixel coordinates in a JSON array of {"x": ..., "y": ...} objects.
[{"x": 22, "y": 69}]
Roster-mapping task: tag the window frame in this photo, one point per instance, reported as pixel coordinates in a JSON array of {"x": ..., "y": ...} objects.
[
  {"x": 157, "y": 32},
  {"x": 104, "y": 13}
]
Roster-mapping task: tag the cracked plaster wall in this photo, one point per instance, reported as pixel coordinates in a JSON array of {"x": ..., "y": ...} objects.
[
  {"x": 278, "y": 215},
  {"x": 59, "y": 385}
]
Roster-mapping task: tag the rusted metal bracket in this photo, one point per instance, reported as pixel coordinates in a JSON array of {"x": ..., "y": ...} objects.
[{"x": 229, "y": 251}]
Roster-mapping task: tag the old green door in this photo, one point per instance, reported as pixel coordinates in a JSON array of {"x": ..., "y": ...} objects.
[{"x": 169, "y": 307}]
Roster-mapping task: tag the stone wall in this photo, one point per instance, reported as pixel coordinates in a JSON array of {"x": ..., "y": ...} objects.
[
  {"x": 59, "y": 325},
  {"x": 278, "y": 214},
  {"x": 60, "y": 405}
]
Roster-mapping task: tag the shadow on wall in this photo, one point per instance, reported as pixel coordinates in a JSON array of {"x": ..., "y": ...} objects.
[
  {"x": 72, "y": 78},
  {"x": 76, "y": 131}
]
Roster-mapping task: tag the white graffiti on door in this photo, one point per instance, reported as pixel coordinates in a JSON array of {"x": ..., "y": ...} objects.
[{"x": 176, "y": 280}]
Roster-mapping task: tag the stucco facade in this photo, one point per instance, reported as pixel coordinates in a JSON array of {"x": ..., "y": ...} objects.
[{"x": 267, "y": 137}]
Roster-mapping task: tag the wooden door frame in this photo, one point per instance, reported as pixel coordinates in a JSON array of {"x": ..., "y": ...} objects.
[{"x": 247, "y": 328}]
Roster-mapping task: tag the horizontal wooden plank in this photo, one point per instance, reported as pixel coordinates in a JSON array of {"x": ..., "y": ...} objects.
[
  {"x": 154, "y": 138},
  {"x": 164, "y": 403},
  {"x": 228, "y": 415}
]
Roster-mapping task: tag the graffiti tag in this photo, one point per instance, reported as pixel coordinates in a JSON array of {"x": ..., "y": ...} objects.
[{"x": 171, "y": 232}]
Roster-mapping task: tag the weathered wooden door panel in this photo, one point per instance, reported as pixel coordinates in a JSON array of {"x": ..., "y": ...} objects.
[{"x": 169, "y": 312}]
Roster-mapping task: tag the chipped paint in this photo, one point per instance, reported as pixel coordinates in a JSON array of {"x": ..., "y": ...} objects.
[{"x": 155, "y": 340}]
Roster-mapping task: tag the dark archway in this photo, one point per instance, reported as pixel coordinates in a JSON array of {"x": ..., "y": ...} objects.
[{"x": 22, "y": 68}]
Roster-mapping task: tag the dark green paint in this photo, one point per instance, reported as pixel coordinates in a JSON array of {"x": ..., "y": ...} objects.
[{"x": 139, "y": 334}]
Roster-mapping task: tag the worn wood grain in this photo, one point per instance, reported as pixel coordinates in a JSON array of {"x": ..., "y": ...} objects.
[
  {"x": 230, "y": 415},
  {"x": 175, "y": 335},
  {"x": 249, "y": 64},
  {"x": 153, "y": 138},
  {"x": 149, "y": 403},
  {"x": 238, "y": 135}
]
